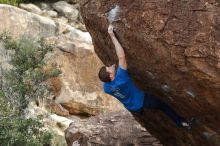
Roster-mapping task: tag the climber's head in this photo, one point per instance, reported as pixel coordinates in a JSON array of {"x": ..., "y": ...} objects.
[{"x": 107, "y": 74}]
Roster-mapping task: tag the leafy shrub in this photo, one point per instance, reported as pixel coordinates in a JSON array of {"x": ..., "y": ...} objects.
[
  {"x": 16, "y": 131},
  {"x": 16, "y": 2},
  {"x": 25, "y": 81},
  {"x": 11, "y": 2}
]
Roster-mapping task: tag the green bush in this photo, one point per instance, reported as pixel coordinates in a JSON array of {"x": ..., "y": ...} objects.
[
  {"x": 24, "y": 82},
  {"x": 11, "y": 2},
  {"x": 16, "y": 2},
  {"x": 17, "y": 131}
]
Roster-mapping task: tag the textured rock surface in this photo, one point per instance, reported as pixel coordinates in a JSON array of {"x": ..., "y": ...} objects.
[
  {"x": 31, "y": 8},
  {"x": 20, "y": 22},
  {"x": 72, "y": 1},
  {"x": 50, "y": 13},
  {"x": 79, "y": 90},
  {"x": 78, "y": 85},
  {"x": 66, "y": 9},
  {"x": 44, "y": 6},
  {"x": 56, "y": 108},
  {"x": 55, "y": 123},
  {"x": 173, "y": 51},
  {"x": 111, "y": 129}
]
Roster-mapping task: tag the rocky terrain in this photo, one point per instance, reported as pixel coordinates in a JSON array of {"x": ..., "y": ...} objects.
[
  {"x": 173, "y": 51},
  {"x": 77, "y": 92},
  {"x": 116, "y": 128}
]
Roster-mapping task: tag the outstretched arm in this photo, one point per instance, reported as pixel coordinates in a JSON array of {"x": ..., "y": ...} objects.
[{"x": 119, "y": 50}]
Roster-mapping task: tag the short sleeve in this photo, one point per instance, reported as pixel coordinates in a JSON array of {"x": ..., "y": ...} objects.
[
  {"x": 105, "y": 87},
  {"x": 122, "y": 74}
]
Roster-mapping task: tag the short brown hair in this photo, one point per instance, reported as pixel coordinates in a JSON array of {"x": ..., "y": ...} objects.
[{"x": 104, "y": 76}]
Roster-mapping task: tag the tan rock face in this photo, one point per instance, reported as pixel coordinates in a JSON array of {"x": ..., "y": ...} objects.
[
  {"x": 80, "y": 91},
  {"x": 56, "y": 85},
  {"x": 31, "y": 8},
  {"x": 73, "y": 52},
  {"x": 77, "y": 88},
  {"x": 66, "y": 9},
  {"x": 56, "y": 108},
  {"x": 173, "y": 51},
  {"x": 20, "y": 22}
]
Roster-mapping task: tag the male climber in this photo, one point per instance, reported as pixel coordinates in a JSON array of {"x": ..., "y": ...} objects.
[{"x": 118, "y": 84}]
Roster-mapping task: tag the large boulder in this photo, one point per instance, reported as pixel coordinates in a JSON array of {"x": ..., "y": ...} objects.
[
  {"x": 172, "y": 49},
  {"x": 50, "y": 13},
  {"x": 20, "y": 22},
  {"x": 56, "y": 108},
  {"x": 31, "y": 8},
  {"x": 66, "y": 9},
  {"x": 117, "y": 128},
  {"x": 78, "y": 88},
  {"x": 54, "y": 123}
]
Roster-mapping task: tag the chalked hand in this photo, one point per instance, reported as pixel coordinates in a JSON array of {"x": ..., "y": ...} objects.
[{"x": 111, "y": 29}]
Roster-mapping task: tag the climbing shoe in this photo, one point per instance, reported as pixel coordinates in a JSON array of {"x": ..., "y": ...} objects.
[{"x": 188, "y": 124}]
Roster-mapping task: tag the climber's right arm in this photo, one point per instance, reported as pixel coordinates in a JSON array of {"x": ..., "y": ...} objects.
[{"x": 119, "y": 50}]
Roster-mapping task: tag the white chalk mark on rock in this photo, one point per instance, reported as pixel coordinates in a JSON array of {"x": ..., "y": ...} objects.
[
  {"x": 170, "y": 98},
  {"x": 113, "y": 14},
  {"x": 207, "y": 135},
  {"x": 190, "y": 93},
  {"x": 150, "y": 75},
  {"x": 165, "y": 88},
  {"x": 76, "y": 143}
]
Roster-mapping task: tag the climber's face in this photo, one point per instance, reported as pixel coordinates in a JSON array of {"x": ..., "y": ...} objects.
[{"x": 111, "y": 71}]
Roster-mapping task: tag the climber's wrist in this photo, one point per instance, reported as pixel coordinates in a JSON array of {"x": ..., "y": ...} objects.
[{"x": 112, "y": 35}]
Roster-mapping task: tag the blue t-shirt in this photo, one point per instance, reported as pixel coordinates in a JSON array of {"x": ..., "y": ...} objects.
[{"x": 123, "y": 88}]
